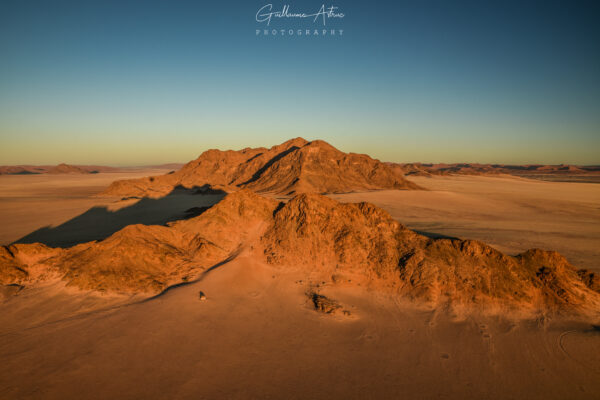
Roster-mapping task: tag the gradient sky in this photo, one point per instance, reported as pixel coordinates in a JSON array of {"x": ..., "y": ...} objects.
[{"x": 131, "y": 83}]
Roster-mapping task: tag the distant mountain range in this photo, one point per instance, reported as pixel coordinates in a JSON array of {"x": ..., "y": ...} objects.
[
  {"x": 75, "y": 169},
  {"x": 54, "y": 169},
  {"x": 423, "y": 169}
]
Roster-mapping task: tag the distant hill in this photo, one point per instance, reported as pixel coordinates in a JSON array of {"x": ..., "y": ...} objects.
[
  {"x": 69, "y": 169},
  {"x": 23, "y": 169}
]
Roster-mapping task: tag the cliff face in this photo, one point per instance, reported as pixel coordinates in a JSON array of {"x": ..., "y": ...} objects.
[
  {"x": 296, "y": 166},
  {"x": 316, "y": 235}
]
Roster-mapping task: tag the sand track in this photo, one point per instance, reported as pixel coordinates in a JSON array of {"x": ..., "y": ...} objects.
[{"x": 596, "y": 334}]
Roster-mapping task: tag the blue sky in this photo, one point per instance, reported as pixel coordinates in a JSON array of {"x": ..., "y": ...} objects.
[{"x": 130, "y": 83}]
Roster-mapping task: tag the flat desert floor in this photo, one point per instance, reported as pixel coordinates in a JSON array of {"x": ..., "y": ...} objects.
[{"x": 257, "y": 334}]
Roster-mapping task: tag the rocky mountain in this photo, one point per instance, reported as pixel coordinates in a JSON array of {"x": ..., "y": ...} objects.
[
  {"x": 296, "y": 166},
  {"x": 336, "y": 243}
]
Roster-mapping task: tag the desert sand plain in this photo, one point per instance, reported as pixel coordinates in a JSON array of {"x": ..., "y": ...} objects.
[{"x": 257, "y": 334}]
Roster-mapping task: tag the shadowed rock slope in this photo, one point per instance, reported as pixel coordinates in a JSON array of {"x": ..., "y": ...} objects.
[
  {"x": 322, "y": 238},
  {"x": 296, "y": 166}
]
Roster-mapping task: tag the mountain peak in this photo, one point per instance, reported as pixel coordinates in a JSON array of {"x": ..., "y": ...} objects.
[{"x": 298, "y": 142}]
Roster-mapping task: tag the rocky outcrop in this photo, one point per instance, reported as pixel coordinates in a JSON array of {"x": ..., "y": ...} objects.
[
  {"x": 319, "y": 233},
  {"x": 296, "y": 166},
  {"x": 145, "y": 258}
]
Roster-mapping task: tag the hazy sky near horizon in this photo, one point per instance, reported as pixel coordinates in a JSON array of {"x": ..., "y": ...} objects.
[{"x": 143, "y": 82}]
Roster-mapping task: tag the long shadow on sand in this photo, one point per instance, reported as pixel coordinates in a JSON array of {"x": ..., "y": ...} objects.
[
  {"x": 433, "y": 235},
  {"x": 98, "y": 223}
]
